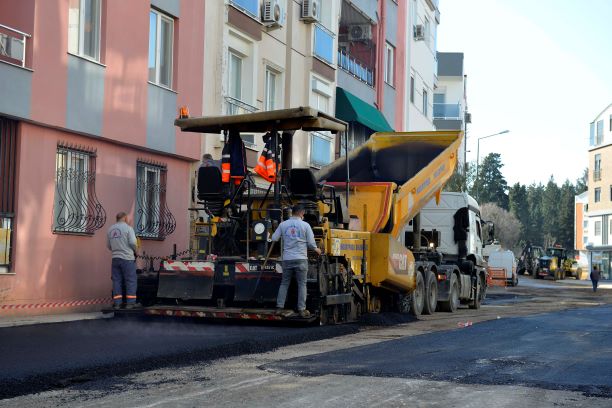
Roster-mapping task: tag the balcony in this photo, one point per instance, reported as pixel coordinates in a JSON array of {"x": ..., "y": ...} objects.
[
  {"x": 356, "y": 68},
  {"x": 235, "y": 106},
  {"x": 250, "y": 7},
  {"x": 447, "y": 111},
  {"x": 323, "y": 44},
  {"x": 13, "y": 46},
  {"x": 597, "y": 175}
]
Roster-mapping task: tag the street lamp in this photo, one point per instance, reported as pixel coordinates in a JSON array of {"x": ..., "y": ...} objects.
[{"x": 478, "y": 159}]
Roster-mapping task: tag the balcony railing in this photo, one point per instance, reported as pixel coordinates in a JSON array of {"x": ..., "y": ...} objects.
[
  {"x": 356, "y": 68},
  {"x": 597, "y": 175},
  {"x": 13, "y": 45},
  {"x": 447, "y": 111},
  {"x": 323, "y": 44},
  {"x": 235, "y": 106}
]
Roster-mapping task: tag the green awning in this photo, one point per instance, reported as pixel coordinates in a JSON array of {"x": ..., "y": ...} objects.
[{"x": 350, "y": 108}]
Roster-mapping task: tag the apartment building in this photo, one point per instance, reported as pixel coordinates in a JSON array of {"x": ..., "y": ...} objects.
[
  {"x": 424, "y": 18},
  {"x": 267, "y": 55},
  {"x": 90, "y": 89},
  {"x": 599, "y": 215},
  {"x": 450, "y": 97}
]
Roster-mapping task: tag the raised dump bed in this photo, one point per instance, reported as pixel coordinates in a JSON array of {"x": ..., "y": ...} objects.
[{"x": 393, "y": 175}]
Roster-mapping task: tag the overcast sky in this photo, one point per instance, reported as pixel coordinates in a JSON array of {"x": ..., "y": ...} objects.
[{"x": 542, "y": 69}]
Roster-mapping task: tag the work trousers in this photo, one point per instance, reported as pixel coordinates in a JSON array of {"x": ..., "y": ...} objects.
[
  {"x": 299, "y": 269},
  {"x": 124, "y": 272},
  {"x": 594, "y": 282}
]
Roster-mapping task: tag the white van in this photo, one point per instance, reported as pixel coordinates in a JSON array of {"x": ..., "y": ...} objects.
[{"x": 507, "y": 261}]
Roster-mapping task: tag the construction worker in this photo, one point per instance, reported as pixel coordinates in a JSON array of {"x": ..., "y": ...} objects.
[
  {"x": 208, "y": 161},
  {"x": 121, "y": 240},
  {"x": 297, "y": 237}
]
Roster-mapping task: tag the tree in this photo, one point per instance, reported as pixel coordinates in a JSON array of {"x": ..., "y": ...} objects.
[
  {"x": 519, "y": 206},
  {"x": 565, "y": 231},
  {"x": 490, "y": 186},
  {"x": 582, "y": 182},
  {"x": 534, "y": 203},
  {"x": 461, "y": 181},
  {"x": 507, "y": 226},
  {"x": 550, "y": 212}
]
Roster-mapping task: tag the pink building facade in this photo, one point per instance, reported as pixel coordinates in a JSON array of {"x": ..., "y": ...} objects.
[{"x": 90, "y": 90}]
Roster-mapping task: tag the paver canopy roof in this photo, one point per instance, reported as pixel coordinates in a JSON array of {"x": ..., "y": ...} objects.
[{"x": 302, "y": 118}]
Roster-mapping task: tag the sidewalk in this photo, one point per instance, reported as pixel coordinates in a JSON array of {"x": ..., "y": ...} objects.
[
  {"x": 13, "y": 321},
  {"x": 606, "y": 284}
]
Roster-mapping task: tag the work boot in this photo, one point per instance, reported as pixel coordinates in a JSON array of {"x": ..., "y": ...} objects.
[
  {"x": 304, "y": 314},
  {"x": 279, "y": 311},
  {"x": 133, "y": 306},
  {"x": 117, "y": 306}
]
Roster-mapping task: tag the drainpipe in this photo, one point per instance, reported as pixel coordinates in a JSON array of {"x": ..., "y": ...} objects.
[{"x": 382, "y": 21}]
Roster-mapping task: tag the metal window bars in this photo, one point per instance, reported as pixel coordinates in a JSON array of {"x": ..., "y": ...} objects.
[
  {"x": 8, "y": 160},
  {"x": 13, "y": 45},
  {"x": 77, "y": 209},
  {"x": 153, "y": 217},
  {"x": 355, "y": 67}
]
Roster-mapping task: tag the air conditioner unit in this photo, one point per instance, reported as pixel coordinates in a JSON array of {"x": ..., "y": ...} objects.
[
  {"x": 419, "y": 32},
  {"x": 360, "y": 32},
  {"x": 273, "y": 13},
  {"x": 310, "y": 11}
]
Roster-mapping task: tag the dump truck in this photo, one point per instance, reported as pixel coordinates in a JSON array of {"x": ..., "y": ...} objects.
[
  {"x": 358, "y": 208},
  {"x": 451, "y": 235}
]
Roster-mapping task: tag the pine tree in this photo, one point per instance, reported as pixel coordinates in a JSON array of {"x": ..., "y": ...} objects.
[
  {"x": 519, "y": 206},
  {"x": 490, "y": 186}
]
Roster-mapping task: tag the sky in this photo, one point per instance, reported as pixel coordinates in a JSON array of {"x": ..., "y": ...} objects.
[{"x": 541, "y": 69}]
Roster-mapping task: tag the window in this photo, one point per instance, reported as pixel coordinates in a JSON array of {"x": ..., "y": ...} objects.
[
  {"x": 592, "y": 134},
  {"x": 320, "y": 149},
  {"x": 235, "y": 77},
  {"x": 599, "y": 134},
  {"x": 270, "y": 90},
  {"x": 161, "y": 45},
  {"x": 597, "y": 228},
  {"x": 585, "y": 240},
  {"x": 389, "y": 63},
  {"x": 320, "y": 95},
  {"x": 597, "y": 168},
  {"x": 610, "y": 192},
  {"x": 324, "y": 44},
  {"x": 76, "y": 207},
  {"x": 425, "y": 102},
  {"x": 250, "y": 7},
  {"x": 8, "y": 158},
  {"x": 153, "y": 219},
  {"x": 84, "y": 28},
  {"x": 610, "y": 123},
  {"x": 412, "y": 89},
  {"x": 585, "y": 224},
  {"x": 597, "y": 194}
]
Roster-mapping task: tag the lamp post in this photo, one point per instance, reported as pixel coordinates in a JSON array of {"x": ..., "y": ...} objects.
[{"x": 478, "y": 159}]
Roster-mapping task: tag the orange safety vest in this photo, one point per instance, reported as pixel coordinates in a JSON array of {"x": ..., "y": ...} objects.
[
  {"x": 266, "y": 165},
  {"x": 233, "y": 160}
]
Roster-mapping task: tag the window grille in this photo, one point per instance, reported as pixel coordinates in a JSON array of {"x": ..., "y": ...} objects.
[
  {"x": 77, "y": 209},
  {"x": 153, "y": 218},
  {"x": 8, "y": 159}
]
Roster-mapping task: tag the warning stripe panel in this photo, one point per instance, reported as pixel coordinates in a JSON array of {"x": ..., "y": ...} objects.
[
  {"x": 53, "y": 305},
  {"x": 192, "y": 266}
]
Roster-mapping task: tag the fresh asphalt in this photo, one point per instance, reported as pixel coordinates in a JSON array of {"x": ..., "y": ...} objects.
[
  {"x": 568, "y": 350},
  {"x": 45, "y": 356}
]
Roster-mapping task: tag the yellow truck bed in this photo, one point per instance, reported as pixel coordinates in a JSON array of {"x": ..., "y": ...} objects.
[{"x": 393, "y": 175}]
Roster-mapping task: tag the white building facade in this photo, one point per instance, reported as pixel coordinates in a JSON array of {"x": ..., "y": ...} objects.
[{"x": 424, "y": 17}]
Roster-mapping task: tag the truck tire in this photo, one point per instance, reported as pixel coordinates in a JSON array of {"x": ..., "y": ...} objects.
[
  {"x": 475, "y": 303},
  {"x": 453, "y": 296},
  {"x": 417, "y": 298},
  {"x": 431, "y": 293}
]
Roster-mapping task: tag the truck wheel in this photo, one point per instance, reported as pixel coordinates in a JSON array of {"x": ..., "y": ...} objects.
[
  {"x": 453, "y": 297},
  {"x": 418, "y": 296},
  {"x": 431, "y": 294},
  {"x": 475, "y": 303}
]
